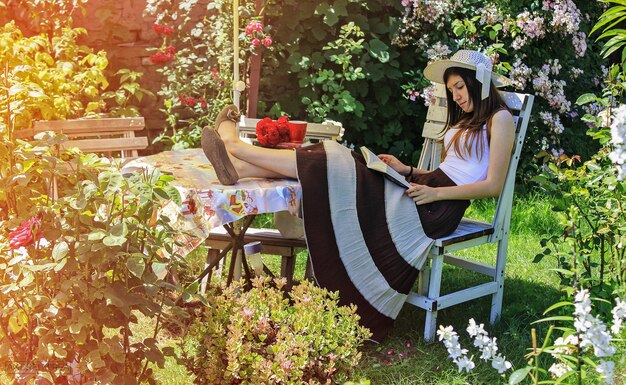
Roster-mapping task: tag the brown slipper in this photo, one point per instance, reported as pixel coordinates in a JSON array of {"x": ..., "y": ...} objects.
[
  {"x": 215, "y": 150},
  {"x": 230, "y": 112}
]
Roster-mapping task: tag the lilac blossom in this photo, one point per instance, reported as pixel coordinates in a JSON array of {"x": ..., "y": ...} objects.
[
  {"x": 531, "y": 25},
  {"x": 553, "y": 121},
  {"x": 428, "y": 94},
  {"x": 519, "y": 74},
  {"x": 489, "y": 14},
  {"x": 566, "y": 16},
  {"x": 575, "y": 72},
  {"x": 579, "y": 40},
  {"x": 551, "y": 90},
  {"x": 519, "y": 42},
  {"x": 438, "y": 51}
]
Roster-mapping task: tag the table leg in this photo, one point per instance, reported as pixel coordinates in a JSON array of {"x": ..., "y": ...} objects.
[{"x": 237, "y": 231}]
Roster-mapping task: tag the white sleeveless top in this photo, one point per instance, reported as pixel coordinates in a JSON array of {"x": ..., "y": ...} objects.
[{"x": 469, "y": 168}]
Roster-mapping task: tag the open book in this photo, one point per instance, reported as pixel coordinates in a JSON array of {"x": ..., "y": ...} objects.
[{"x": 372, "y": 161}]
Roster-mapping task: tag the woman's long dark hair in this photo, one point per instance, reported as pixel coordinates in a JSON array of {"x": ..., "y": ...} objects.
[{"x": 472, "y": 122}]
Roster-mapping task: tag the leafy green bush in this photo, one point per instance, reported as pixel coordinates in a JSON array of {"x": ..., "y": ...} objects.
[
  {"x": 261, "y": 337},
  {"x": 77, "y": 270},
  {"x": 541, "y": 45},
  {"x": 49, "y": 78}
]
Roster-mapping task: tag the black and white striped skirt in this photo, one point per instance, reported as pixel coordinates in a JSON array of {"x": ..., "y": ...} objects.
[{"x": 367, "y": 239}]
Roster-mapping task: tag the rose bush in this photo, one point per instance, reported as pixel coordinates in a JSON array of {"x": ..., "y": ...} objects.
[
  {"x": 196, "y": 60},
  {"x": 79, "y": 271}
]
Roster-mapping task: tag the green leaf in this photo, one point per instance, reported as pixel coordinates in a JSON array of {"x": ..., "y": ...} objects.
[
  {"x": 519, "y": 375},
  {"x": 558, "y": 305},
  {"x": 110, "y": 182},
  {"x": 159, "y": 269},
  {"x": 136, "y": 264},
  {"x": 586, "y": 98},
  {"x": 379, "y": 50},
  {"x": 567, "y": 273},
  {"x": 117, "y": 236},
  {"x": 60, "y": 250},
  {"x": 96, "y": 235},
  {"x": 555, "y": 318}
]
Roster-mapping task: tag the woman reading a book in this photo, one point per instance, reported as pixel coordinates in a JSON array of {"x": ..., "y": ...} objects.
[{"x": 367, "y": 236}]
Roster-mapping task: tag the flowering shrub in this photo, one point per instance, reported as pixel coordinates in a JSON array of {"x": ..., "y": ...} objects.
[
  {"x": 583, "y": 353},
  {"x": 271, "y": 132},
  {"x": 514, "y": 35},
  {"x": 261, "y": 337},
  {"x": 487, "y": 346},
  {"x": 26, "y": 234},
  {"x": 257, "y": 35}
]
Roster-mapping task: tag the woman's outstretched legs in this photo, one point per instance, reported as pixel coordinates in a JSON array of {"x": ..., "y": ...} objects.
[{"x": 254, "y": 161}]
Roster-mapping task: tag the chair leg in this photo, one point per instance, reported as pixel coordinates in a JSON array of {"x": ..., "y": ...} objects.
[
  {"x": 496, "y": 299},
  {"x": 424, "y": 278},
  {"x": 434, "y": 288},
  {"x": 287, "y": 268},
  {"x": 308, "y": 273}
]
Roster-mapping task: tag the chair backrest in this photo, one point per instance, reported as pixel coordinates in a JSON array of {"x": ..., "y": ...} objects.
[
  {"x": 314, "y": 131},
  {"x": 111, "y": 136},
  {"x": 520, "y": 105}
]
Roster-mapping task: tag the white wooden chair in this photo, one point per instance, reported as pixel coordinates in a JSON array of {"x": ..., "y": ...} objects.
[
  {"x": 470, "y": 232},
  {"x": 315, "y": 132}
]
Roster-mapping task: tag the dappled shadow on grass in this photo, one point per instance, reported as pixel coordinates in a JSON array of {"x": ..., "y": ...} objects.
[{"x": 404, "y": 357}]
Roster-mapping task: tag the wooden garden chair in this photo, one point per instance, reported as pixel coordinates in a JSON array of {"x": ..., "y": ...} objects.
[
  {"x": 470, "y": 232},
  {"x": 114, "y": 137},
  {"x": 111, "y": 137}
]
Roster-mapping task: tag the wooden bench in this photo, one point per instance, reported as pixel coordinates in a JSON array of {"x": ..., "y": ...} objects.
[
  {"x": 272, "y": 242},
  {"x": 109, "y": 136}
]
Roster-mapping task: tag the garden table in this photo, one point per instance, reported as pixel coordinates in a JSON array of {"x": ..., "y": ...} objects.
[{"x": 206, "y": 204}]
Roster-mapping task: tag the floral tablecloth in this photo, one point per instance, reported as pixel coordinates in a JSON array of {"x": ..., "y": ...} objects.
[{"x": 206, "y": 203}]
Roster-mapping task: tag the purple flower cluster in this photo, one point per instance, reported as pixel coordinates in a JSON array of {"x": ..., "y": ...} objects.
[
  {"x": 566, "y": 16},
  {"x": 552, "y": 89},
  {"x": 531, "y": 25}
]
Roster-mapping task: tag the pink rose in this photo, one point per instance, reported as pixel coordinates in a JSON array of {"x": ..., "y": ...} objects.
[
  {"x": 25, "y": 234},
  {"x": 256, "y": 42},
  {"x": 267, "y": 41}
]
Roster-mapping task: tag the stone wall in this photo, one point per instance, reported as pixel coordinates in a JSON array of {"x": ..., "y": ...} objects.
[{"x": 120, "y": 29}]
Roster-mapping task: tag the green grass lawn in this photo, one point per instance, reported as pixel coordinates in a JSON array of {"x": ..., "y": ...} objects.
[{"x": 404, "y": 358}]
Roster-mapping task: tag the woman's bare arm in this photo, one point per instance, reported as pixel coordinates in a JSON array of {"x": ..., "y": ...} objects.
[{"x": 500, "y": 146}]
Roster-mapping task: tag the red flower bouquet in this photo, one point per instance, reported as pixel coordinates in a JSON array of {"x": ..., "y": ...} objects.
[{"x": 272, "y": 132}]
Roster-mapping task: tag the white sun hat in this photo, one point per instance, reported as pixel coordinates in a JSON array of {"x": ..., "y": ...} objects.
[{"x": 469, "y": 59}]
